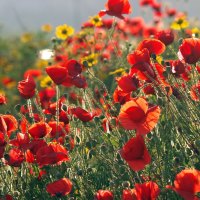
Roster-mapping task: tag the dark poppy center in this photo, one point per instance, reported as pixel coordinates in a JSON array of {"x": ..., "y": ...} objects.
[
  {"x": 59, "y": 194},
  {"x": 136, "y": 114}
]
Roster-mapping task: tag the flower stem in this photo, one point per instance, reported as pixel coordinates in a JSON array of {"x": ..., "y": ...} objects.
[
  {"x": 30, "y": 110},
  {"x": 57, "y": 109}
]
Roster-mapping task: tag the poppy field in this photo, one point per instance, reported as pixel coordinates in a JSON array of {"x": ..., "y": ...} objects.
[{"x": 108, "y": 112}]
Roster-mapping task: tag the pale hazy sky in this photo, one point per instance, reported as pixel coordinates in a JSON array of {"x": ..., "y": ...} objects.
[{"x": 29, "y": 15}]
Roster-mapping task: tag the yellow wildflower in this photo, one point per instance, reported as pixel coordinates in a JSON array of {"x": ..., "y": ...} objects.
[
  {"x": 91, "y": 59},
  {"x": 64, "y": 31},
  {"x": 8, "y": 68},
  {"x": 3, "y": 61},
  {"x": 41, "y": 63},
  {"x": 26, "y": 37},
  {"x": 96, "y": 20},
  {"x": 180, "y": 23},
  {"x": 46, "y": 28},
  {"x": 2, "y": 92},
  {"x": 159, "y": 59},
  {"x": 11, "y": 85},
  {"x": 117, "y": 71},
  {"x": 195, "y": 32},
  {"x": 46, "y": 82}
]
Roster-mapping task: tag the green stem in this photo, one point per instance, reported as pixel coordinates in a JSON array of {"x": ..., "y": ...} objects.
[
  {"x": 57, "y": 109},
  {"x": 30, "y": 110}
]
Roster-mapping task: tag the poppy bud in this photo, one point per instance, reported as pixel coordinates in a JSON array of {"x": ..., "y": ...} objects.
[
  {"x": 104, "y": 195},
  {"x": 126, "y": 184},
  {"x": 53, "y": 39},
  {"x": 17, "y": 108},
  {"x": 2, "y": 99}
]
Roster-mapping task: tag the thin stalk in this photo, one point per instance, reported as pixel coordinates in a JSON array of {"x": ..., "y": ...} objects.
[
  {"x": 57, "y": 109},
  {"x": 30, "y": 110}
]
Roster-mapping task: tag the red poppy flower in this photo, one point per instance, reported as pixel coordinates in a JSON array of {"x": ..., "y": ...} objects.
[
  {"x": 195, "y": 92},
  {"x": 149, "y": 31},
  {"x": 61, "y": 130},
  {"x": 146, "y": 73},
  {"x": 15, "y": 157},
  {"x": 107, "y": 23},
  {"x": 39, "y": 130},
  {"x": 165, "y": 36},
  {"x": 52, "y": 106},
  {"x": 2, "y": 145},
  {"x": 73, "y": 67},
  {"x": 128, "y": 83},
  {"x": 82, "y": 114},
  {"x": 3, "y": 99},
  {"x": 51, "y": 154},
  {"x": 104, "y": 195},
  {"x": 129, "y": 194},
  {"x": 198, "y": 69},
  {"x": 141, "y": 65},
  {"x": 24, "y": 125},
  {"x": 171, "y": 12},
  {"x": 116, "y": 8},
  {"x": 41, "y": 174},
  {"x": 190, "y": 50},
  {"x": 135, "y": 153},
  {"x": 156, "y": 6},
  {"x": 79, "y": 82},
  {"x": 138, "y": 58},
  {"x": 63, "y": 117},
  {"x": 36, "y": 144},
  {"x": 68, "y": 81},
  {"x": 153, "y": 45},
  {"x": 108, "y": 123},
  {"x": 148, "y": 190},
  {"x": 120, "y": 96},
  {"x": 149, "y": 89},
  {"x": 60, "y": 187},
  {"x": 87, "y": 25},
  {"x": 8, "y": 124},
  {"x": 32, "y": 72},
  {"x": 187, "y": 184},
  {"x": 7, "y": 197},
  {"x": 30, "y": 158},
  {"x": 27, "y": 87},
  {"x": 6, "y": 81},
  {"x": 146, "y": 2},
  {"x": 46, "y": 95},
  {"x": 178, "y": 67},
  {"x": 136, "y": 114},
  {"x": 136, "y": 25},
  {"x": 57, "y": 73},
  {"x": 21, "y": 141}
]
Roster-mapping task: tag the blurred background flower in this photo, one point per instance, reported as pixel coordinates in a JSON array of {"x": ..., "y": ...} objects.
[{"x": 26, "y": 15}]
